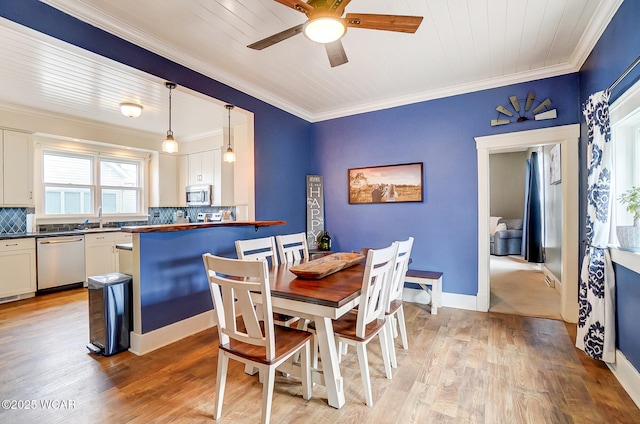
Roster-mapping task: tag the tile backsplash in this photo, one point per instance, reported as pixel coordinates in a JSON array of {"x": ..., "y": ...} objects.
[{"x": 14, "y": 220}]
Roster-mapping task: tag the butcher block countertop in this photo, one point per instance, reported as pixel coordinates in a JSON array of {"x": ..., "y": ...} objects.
[{"x": 165, "y": 228}]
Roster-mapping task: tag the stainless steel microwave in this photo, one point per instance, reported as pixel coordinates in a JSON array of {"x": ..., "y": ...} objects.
[{"x": 199, "y": 195}]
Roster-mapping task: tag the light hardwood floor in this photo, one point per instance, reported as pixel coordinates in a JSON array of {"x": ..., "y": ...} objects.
[{"x": 461, "y": 367}]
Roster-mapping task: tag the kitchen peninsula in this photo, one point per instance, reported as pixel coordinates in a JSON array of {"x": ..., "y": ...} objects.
[{"x": 171, "y": 298}]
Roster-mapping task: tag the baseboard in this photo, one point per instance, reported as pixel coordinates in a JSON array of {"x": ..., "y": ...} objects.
[
  {"x": 449, "y": 300},
  {"x": 142, "y": 344},
  {"x": 627, "y": 375}
]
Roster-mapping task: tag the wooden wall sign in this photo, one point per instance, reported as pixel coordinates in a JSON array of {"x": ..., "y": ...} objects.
[{"x": 315, "y": 210}]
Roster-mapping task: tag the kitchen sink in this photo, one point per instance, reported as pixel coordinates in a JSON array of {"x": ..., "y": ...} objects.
[{"x": 99, "y": 230}]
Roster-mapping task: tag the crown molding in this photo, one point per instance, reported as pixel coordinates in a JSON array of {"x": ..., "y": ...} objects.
[{"x": 605, "y": 12}]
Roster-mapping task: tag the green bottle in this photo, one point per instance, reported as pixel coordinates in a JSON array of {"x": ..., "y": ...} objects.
[{"x": 325, "y": 241}]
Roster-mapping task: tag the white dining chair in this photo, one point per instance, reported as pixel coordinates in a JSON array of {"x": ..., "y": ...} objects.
[
  {"x": 258, "y": 248},
  {"x": 263, "y": 248},
  {"x": 247, "y": 334},
  {"x": 359, "y": 327},
  {"x": 292, "y": 247},
  {"x": 394, "y": 313}
]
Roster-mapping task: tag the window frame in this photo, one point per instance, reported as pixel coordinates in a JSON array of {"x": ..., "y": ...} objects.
[
  {"x": 625, "y": 109},
  {"x": 98, "y": 154}
]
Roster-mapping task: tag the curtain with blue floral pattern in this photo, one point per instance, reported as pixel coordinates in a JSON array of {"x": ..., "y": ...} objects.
[{"x": 596, "y": 294}]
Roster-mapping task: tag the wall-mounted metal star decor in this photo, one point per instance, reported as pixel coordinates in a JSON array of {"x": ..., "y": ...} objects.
[{"x": 521, "y": 110}]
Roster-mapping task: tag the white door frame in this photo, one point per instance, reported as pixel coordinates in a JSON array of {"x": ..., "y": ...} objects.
[{"x": 567, "y": 136}]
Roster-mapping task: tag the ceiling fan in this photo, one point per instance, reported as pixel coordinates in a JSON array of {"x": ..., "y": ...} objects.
[{"x": 326, "y": 25}]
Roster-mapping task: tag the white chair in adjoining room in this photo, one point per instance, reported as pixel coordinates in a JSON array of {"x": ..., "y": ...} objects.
[
  {"x": 246, "y": 333},
  {"x": 359, "y": 327},
  {"x": 394, "y": 313},
  {"x": 292, "y": 247}
]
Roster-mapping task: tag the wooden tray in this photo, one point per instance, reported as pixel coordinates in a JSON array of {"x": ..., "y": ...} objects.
[{"x": 319, "y": 268}]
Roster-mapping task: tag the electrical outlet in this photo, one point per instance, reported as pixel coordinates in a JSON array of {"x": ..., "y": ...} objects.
[{"x": 156, "y": 214}]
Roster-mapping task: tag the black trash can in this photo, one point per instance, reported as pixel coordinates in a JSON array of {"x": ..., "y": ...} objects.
[{"x": 110, "y": 313}]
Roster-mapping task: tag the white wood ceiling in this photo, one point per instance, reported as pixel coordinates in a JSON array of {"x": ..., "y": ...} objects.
[{"x": 461, "y": 46}]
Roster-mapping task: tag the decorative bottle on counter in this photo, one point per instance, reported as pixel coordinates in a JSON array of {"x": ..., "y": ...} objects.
[{"x": 324, "y": 242}]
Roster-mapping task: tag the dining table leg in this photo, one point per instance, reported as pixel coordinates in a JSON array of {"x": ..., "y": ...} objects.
[{"x": 330, "y": 364}]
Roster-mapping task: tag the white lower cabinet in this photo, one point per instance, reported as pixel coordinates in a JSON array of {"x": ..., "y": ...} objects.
[
  {"x": 18, "y": 265},
  {"x": 100, "y": 252}
]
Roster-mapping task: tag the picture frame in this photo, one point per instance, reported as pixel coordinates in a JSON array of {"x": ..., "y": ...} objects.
[
  {"x": 386, "y": 184},
  {"x": 555, "y": 169}
]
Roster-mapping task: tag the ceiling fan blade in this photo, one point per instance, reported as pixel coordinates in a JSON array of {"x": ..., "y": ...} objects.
[
  {"x": 276, "y": 38},
  {"x": 298, "y": 5},
  {"x": 398, "y": 23},
  {"x": 336, "y": 53}
]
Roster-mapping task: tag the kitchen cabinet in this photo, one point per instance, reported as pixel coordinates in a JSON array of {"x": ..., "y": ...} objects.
[
  {"x": 101, "y": 255},
  {"x": 164, "y": 182},
  {"x": 18, "y": 265},
  {"x": 16, "y": 175},
  {"x": 202, "y": 168}
]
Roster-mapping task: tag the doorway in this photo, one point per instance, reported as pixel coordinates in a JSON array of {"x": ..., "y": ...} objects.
[
  {"x": 517, "y": 286},
  {"x": 567, "y": 136}
]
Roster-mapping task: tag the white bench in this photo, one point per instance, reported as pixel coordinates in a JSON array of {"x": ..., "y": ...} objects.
[{"x": 425, "y": 279}]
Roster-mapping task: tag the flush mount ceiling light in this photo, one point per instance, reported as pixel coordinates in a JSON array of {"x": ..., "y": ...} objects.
[
  {"x": 229, "y": 155},
  {"x": 169, "y": 145},
  {"x": 131, "y": 110},
  {"x": 521, "y": 109},
  {"x": 324, "y": 29}
]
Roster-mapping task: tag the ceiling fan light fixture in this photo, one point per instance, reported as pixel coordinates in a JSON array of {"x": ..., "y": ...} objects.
[
  {"x": 324, "y": 29},
  {"x": 131, "y": 110}
]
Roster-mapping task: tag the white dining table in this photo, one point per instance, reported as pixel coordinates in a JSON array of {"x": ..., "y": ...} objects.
[{"x": 321, "y": 301}]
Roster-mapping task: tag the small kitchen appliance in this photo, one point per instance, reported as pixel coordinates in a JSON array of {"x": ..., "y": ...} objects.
[
  {"x": 209, "y": 217},
  {"x": 199, "y": 195}
]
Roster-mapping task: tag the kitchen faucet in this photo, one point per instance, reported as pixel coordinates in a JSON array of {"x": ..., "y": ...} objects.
[{"x": 100, "y": 215}]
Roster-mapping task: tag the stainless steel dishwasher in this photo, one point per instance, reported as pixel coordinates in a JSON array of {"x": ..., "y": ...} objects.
[{"x": 60, "y": 261}]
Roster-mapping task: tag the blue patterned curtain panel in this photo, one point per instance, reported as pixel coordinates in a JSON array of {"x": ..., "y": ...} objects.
[{"x": 596, "y": 334}]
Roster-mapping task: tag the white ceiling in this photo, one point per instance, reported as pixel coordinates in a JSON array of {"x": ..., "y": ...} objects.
[{"x": 461, "y": 46}]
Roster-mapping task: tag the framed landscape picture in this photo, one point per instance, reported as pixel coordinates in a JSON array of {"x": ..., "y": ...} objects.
[{"x": 386, "y": 184}]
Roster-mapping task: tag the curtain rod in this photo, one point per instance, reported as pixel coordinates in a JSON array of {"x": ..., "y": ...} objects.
[{"x": 624, "y": 74}]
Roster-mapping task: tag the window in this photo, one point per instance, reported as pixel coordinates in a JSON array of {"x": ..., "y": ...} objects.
[
  {"x": 79, "y": 184},
  {"x": 625, "y": 127}
]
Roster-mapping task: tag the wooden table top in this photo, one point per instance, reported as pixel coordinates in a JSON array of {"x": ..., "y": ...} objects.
[
  {"x": 165, "y": 228},
  {"x": 334, "y": 290}
]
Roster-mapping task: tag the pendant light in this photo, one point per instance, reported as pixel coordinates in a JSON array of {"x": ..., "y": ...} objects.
[
  {"x": 170, "y": 145},
  {"x": 229, "y": 155}
]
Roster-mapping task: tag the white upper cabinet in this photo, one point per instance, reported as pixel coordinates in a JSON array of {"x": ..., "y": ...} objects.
[
  {"x": 164, "y": 181},
  {"x": 201, "y": 168},
  {"x": 16, "y": 176}
]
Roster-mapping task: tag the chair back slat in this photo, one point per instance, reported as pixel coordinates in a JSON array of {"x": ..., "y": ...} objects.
[
  {"x": 233, "y": 282},
  {"x": 259, "y": 248},
  {"x": 375, "y": 285},
  {"x": 292, "y": 247},
  {"x": 400, "y": 269}
]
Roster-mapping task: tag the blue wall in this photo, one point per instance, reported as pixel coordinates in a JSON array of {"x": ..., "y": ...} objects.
[
  {"x": 440, "y": 133},
  {"x": 615, "y": 51}
]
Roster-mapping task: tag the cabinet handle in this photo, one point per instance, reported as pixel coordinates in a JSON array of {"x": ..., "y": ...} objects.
[
  {"x": 31, "y": 195},
  {"x": 9, "y": 245}
]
